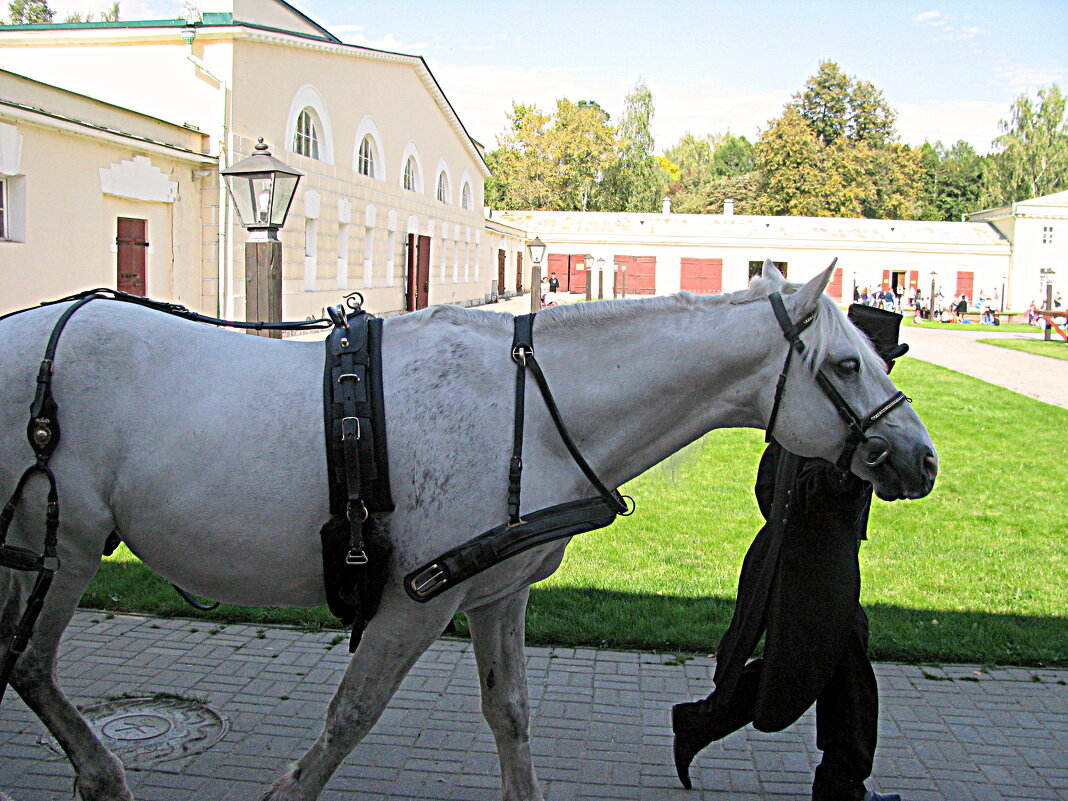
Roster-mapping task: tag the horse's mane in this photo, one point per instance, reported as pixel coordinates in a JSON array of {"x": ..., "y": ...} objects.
[{"x": 829, "y": 323}]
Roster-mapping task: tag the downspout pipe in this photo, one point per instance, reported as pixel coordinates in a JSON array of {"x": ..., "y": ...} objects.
[{"x": 224, "y": 273}]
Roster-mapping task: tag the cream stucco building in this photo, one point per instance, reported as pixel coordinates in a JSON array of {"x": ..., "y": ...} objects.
[{"x": 388, "y": 164}]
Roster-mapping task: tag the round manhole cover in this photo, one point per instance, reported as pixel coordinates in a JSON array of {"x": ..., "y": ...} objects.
[{"x": 144, "y": 731}]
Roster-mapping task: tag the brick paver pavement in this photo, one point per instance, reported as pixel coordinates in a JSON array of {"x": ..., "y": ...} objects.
[{"x": 600, "y": 723}]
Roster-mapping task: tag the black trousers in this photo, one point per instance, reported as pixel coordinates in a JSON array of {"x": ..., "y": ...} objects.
[{"x": 846, "y": 717}]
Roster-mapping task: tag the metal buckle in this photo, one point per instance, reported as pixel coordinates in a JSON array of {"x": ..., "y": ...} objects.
[
  {"x": 343, "y": 376},
  {"x": 363, "y": 509},
  {"x": 345, "y": 430},
  {"x": 520, "y": 354},
  {"x": 356, "y": 558},
  {"x": 428, "y": 580}
]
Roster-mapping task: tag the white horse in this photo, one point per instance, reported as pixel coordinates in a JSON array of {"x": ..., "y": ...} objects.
[{"x": 204, "y": 450}]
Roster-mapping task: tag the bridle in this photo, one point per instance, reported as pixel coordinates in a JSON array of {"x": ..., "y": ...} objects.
[{"x": 873, "y": 449}]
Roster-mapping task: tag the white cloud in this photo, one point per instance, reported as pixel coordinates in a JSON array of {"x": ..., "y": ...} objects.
[
  {"x": 354, "y": 34},
  {"x": 1024, "y": 78},
  {"x": 930, "y": 18},
  {"x": 974, "y": 121},
  {"x": 483, "y": 95}
]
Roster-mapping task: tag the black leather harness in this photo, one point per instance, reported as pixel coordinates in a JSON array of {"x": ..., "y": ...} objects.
[
  {"x": 355, "y": 552},
  {"x": 520, "y": 534}
]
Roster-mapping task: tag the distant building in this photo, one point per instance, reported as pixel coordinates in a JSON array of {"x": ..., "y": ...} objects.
[
  {"x": 1038, "y": 231},
  {"x": 713, "y": 253},
  {"x": 390, "y": 171}
]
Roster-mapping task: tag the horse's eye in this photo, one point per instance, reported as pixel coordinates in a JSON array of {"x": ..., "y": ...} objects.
[{"x": 847, "y": 367}]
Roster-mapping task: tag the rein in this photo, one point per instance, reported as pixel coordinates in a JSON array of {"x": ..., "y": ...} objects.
[{"x": 875, "y": 448}]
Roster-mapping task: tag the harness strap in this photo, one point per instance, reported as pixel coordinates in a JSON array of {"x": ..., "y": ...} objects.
[
  {"x": 522, "y": 350},
  {"x": 43, "y": 433},
  {"x": 793, "y": 335},
  {"x": 611, "y": 497}
]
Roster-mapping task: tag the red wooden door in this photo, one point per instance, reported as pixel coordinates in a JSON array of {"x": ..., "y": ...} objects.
[
  {"x": 965, "y": 282},
  {"x": 418, "y": 288},
  {"x": 518, "y": 272},
  {"x": 886, "y": 280},
  {"x": 702, "y": 276},
  {"x": 576, "y": 273},
  {"x": 914, "y": 280},
  {"x": 834, "y": 288},
  {"x": 641, "y": 277},
  {"x": 131, "y": 239},
  {"x": 558, "y": 263},
  {"x": 502, "y": 259}
]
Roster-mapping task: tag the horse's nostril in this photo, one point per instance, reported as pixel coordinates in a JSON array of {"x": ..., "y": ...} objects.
[{"x": 930, "y": 466}]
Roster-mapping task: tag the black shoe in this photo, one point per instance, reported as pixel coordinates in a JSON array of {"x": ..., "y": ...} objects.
[
  {"x": 870, "y": 796},
  {"x": 690, "y": 737}
]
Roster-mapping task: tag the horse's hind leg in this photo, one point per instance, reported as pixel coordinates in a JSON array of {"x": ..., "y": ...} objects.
[
  {"x": 497, "y": 633},
  {"x": 99, "y": 774},
  {"x": 391, "y": 644}
]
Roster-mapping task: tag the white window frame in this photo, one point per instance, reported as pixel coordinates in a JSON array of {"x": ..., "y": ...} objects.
[
  {"x": 306, "y": 136},
  {"x": 411, "y": 157},
  {"x": 466, "y": 201},
  {"x": 442, "y": 193},
  {"x": 308, "y": 97}
]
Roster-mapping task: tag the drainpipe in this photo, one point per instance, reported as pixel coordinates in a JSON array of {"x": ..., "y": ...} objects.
[{"x": 224, "y": 306}]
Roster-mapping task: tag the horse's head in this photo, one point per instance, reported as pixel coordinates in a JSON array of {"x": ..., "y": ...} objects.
[{"x": 837, "y": 401}]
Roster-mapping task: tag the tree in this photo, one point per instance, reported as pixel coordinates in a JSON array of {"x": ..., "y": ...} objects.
[
  {"x": 705, "y": 172},
  {"x": 29, "y": 12},
  {"x": 833, "y": 153},
  {"x": 951, "y": 180},
  {"x": 1032, "y": 151},
  {"x": 110, "y": 15},
  {"x": 635, "y": 182},
  {"x": 553, "y": 162}
]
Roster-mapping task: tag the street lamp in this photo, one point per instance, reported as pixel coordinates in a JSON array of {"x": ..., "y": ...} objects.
[
  {"x": 1004, "y": 286},
  {"x": 536, "y": 249},
  {"x": 623, "y": 269},
  {"x": 1048, "y": 273},
  {"x": 930, "y": 302},
  {"x": 589, "y": 277},
  {"x": 262, "y": 188},
  {"x": 600, "y": 279}
]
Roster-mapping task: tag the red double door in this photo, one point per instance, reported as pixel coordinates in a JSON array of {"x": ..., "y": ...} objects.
[{"x": 570, "y": 271}]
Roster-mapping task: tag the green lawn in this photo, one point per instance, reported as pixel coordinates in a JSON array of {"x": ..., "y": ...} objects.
[
  {"x": 1056, "y": 348},
  {"x": 977, "y": 572},
  {"x": 1004, "y": 328}
]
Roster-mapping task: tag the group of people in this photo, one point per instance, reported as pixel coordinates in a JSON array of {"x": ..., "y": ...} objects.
[{"x": 800, "y": 590}]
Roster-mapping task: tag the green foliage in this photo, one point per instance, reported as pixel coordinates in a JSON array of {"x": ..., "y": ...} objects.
[
  {"x": 635, "y": 181},
  {"x": 552, "y": 162},
  {"x": 951, "y": 179},
  {"x": 833, "y": 154},
  {"x": 1032, "y": 155},
  {"x": 110, "y": 15},
  {"x": 29, "y": 12},
  {"x": 712, "y": 169}
]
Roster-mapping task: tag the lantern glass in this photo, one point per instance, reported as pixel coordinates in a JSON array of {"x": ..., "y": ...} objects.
[
  {"x": 536, "y": 249},
  {"x": 589, "y": 263}
]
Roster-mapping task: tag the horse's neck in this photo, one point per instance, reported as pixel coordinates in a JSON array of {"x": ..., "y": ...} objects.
[{"x": 635, "y": 389}]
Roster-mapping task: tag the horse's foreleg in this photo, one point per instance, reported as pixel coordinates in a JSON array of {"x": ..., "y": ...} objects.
[
  {"x": 390, "y": 646},
  {"x": 99, "y": 774},
  {"x": 497, "y": 632}
]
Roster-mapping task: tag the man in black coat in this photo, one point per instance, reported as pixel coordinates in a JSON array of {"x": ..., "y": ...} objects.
[{"x": 800, "y": 587}]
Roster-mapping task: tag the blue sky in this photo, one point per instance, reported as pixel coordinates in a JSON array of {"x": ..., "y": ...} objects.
[{"x": 950, "y": 69}]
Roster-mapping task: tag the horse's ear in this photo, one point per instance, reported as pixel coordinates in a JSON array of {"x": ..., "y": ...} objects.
[
  {"x": 806, "y": 298},
  {"x": 771, "y": 273}
]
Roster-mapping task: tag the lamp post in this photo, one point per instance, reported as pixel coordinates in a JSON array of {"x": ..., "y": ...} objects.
[
  {"x": 536, "y": 249},
  {"x": 600, "y": 279},
  {"x": 1004, "y": 286},
  {"x": 930, "y": 303},
  {"x": 589, "y": 277},
  {"x": 623, "y": 270},
  {"x": 262, "y": 188},
  {"x": 1048, "y": 273}
]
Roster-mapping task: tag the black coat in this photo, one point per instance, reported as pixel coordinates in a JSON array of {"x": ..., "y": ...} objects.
[{"x": 799, "y": 585}]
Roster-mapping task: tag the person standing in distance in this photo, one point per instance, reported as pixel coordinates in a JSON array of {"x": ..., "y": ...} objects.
[{"x": 800, "y": 588}]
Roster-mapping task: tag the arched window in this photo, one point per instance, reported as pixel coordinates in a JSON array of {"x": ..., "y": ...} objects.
[
  {"x": 443, "y": 187},
  {"x": 465, "y": 197},
  {"x": 411, "y": 175},
  {"x": 366, "y": 161},
  {"x": 306, "y": 139}
]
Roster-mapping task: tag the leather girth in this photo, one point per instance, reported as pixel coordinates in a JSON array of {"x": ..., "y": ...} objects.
[
  {"x": 355, "y": 546},
  {"x": 521, "y": 533}
]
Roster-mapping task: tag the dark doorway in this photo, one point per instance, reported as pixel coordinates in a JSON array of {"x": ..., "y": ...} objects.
[
  {"x": 132, "y": 241},
  {"x": 518, "y": 273},
  {"x": 502, "y": 260},
  {"x": 417, "y": 265}
]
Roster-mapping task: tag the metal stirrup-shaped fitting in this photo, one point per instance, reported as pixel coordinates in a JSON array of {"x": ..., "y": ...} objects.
[{"x": 520, "y": 354}]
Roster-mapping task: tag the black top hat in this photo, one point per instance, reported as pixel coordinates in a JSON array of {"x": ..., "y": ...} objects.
[{"x": 882, "y": 328}]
